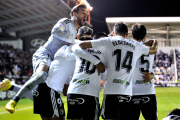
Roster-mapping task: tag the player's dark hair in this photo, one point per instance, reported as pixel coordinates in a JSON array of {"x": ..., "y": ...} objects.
[
  {"x": 175, "y": 112},
  {"x": 85, "y": 30},
  {"x": 120, "y": 28},
  {"x": 99, "y": 35},
  {"x": 89, "y": 32},
  {"x": 76, "y": 8},
  {"x": 85, "y": 38},
  {"x": 138, "y": 31}
]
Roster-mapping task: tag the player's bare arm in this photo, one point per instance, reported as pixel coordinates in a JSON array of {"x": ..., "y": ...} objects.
[
  {"x": 153, "y": 49},
  {"x": 148, "y": 76},
  {"x": 100, "y": 66},
  {"x": 85, "y": 44}
]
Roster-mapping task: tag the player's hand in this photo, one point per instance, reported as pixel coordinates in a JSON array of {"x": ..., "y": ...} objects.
[
  {"x": 100, "y": 67},
  {"x": 155, "y": 45},
  {"x": 149, "y": 43},
  {"x": 148, "y": 76}
]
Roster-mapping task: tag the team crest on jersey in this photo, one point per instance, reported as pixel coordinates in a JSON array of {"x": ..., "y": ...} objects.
[
  {"x": 82, "y": 81},
  {"x": 61, "y": 27},
  {"x": 142, "y": 82},
  {"x": 125, "y": 82}
]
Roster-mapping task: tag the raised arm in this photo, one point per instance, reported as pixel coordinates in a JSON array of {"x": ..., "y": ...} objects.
[{"x": 153, "y": 49}]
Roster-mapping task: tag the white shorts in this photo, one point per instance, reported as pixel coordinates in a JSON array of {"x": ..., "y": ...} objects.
[{"x": 43, "y": 59}]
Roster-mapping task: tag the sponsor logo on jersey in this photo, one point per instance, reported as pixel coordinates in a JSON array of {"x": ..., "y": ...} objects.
[
  {"x": 82, "y": 81},
  {"x": 38, "y": 42},
  {"x": 77, "y": 100},
  {"x": 121, "y": 81},
  {"x": 142, "y": 82},
  {"x": 124, "y": 98}
]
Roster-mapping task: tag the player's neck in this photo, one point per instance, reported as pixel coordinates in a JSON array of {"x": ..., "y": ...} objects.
[
  {"x": 138, "y": 40},
  {"x": 120, "y": 35},
  {"x": 76, "y": 24}
]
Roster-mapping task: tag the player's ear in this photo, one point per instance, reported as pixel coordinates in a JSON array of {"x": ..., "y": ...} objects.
[
  {"x": 144, "y": 38},
  {"x": 75, "y": 14},
  {"x": 126, "y": 35},
  {"x": 114, "y": 33}
]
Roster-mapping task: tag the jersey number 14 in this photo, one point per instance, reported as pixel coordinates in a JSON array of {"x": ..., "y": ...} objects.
[{"x": 126, "y": 63}]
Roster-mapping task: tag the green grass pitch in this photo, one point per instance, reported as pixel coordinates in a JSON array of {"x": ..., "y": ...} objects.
[{"x": 167, "y": 99}]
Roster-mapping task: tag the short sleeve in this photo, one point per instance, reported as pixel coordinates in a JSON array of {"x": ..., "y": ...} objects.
[
  {"x": 143, "y": 50},
  {"x": 100, "y": 44}
]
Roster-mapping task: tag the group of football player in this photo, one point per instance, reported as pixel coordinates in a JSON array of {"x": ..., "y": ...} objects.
[{"x": 74, "y": 63}]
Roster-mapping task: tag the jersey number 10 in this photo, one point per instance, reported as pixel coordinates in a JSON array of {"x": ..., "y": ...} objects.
[{"x": 85, "y": 66}]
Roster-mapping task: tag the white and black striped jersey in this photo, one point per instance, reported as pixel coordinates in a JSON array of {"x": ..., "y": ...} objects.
[
  {"x": 60, "y": 34},
  {"x": 143, "y": 64},
  {"x": 120, "y": 56},
  {"x": 86, "y": 80}
]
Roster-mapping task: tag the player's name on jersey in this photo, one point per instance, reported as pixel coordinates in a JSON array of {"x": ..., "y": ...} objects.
[
  {"x": 120, "y": 42},
  {"x": 142, "y": 82},
  {"x": 94, "y": 51}
]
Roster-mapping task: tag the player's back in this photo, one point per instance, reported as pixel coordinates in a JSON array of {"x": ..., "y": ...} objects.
[
  {"x": 86, "y": 79},
  {"x": 61, "y": 68},
  {"x": 143, "y": 64},
  {"x": 120, "y": 55}
]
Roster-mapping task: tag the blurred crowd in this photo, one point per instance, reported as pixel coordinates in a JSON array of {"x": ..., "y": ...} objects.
[
  {"x": 178, "y": 63},
  {"x": 162, "y": 67},
  {"x": 165, "y": 70},
  {"x": 15, "y": 63}
]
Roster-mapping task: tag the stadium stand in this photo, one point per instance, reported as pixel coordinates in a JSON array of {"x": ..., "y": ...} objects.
[{"x": 15, "y": 63}]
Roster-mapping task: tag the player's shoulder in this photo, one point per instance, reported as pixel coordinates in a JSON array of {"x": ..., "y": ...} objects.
[
  {"x": 61, "y": 50},
  {"x": 65, "y": 21}
]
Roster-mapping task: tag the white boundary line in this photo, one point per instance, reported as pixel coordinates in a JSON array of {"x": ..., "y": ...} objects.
[{"x": 17, "y": 110}]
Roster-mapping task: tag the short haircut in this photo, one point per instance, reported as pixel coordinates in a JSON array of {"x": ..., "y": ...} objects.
[
  {"x": 85, "y": 30},
  {"x": 120, "y": 28},
  {"x": 99, "y": 35},
  {"x": 85, "y": 38},
  {"x": 138, "y": 31},
  {"x": 76, "y": 8}
]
